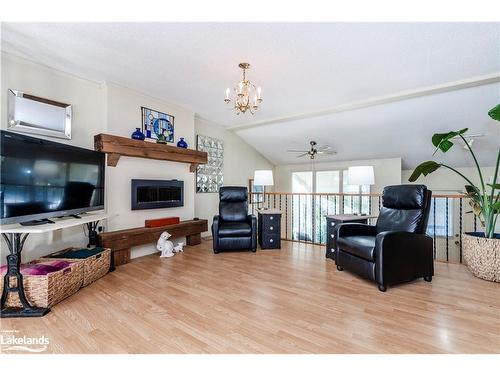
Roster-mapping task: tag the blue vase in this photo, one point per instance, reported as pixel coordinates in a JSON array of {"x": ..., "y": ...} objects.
[
  {"x": 138, "y": 135},
  {"x": 182, "y": 143}
]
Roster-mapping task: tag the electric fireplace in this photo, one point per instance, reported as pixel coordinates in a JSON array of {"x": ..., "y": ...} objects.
[{"x": 147, "y": 194}]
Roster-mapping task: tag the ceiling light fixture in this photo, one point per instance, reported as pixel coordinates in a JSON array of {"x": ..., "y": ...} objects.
[{"x": 247, "y": 97}]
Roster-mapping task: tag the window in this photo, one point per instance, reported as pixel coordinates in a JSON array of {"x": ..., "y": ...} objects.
[
  {"x": 355, "y": 204},
  {"x": 327, "y": 182},
  {"x": 302, "y": 182},
  {"x": 309, "y": 211},
  {"x": 440, "y": 219}
]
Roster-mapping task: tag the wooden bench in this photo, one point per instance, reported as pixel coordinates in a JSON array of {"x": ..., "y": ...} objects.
[{"x": 121, "y": 241}]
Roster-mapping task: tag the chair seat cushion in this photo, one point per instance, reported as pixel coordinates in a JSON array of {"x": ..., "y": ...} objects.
[
  {"x": 361, "y": 246},
  {"x": 235, "y": 229}
]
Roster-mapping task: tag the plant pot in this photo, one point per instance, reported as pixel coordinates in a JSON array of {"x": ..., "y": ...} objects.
[{"x": 482, "y": 255}]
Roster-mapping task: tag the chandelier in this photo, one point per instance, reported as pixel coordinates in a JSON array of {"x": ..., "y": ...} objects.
[{"x": 246, "y": 96}]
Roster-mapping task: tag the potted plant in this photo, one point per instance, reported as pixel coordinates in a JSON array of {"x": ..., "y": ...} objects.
[{"x": 481, "y": 250}]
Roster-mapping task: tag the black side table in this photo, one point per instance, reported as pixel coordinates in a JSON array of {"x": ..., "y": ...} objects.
[
  {"x": 331, "y": 223},
  {"x": 269, "y": 224}
]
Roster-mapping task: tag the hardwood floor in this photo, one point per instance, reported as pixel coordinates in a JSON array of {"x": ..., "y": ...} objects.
[{"x": 291, "y": 300}]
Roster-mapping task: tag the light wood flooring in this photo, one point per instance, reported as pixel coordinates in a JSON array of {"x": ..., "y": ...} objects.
[{"x": 291, "y": 300}]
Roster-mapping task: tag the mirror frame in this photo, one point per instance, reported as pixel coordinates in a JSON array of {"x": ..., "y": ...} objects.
[{"x": 24, "y": 127}]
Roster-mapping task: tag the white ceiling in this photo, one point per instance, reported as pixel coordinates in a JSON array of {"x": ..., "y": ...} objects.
[{"x": 302, "y": 68}]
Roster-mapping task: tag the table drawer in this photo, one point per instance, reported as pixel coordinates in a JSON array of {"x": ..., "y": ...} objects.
[
  {"x": 270, "y": 241},
  {"x": 330, "y": 252},
  {"x": 271, "y": 228},
  {"x": 271, "y": 219}
]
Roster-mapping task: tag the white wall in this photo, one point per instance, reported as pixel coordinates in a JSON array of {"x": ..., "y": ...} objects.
[
  {"x": 445, "y": 180},
  {"x": 101, "y": 108},
  {"x": 240, "y": 162},
  {"x": 123, "y": 116},
  {"x": 86, "y": 98},
  {"x": 108, "y": 108},
  {"x": 387, "y": 172}
]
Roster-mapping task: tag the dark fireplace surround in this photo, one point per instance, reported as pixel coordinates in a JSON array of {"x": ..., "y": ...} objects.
[{"x": 147, "y": 194}]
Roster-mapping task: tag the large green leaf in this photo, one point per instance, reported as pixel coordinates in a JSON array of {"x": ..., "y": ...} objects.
[
  {"x": 476, "y": 209},
  {"x": 474, "y": 194},
  {"x": 473, "y": 191},
  {"x": 494, "y": 186},
  {"x": 442, "y": 141},
  {"x": 424, "y": 169},
  {"x": 496, "y": 206},
  {"x": 494, "y": 113}
]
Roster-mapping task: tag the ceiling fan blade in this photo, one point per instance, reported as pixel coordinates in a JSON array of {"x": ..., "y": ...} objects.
[
  {"x": 327, "y": 152},
  {"x": 323, "y": 148},
  {"x": 297, "y": 150},
  {"x": 302, "y": 155}
]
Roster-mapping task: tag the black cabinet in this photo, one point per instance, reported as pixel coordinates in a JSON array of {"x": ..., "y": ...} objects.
[
  {"x": 330, "y": 237},
  {"x": 269, "y": 224}
]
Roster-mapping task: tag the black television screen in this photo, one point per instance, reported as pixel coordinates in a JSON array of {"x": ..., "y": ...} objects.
[{"x": 42, "y": 179}]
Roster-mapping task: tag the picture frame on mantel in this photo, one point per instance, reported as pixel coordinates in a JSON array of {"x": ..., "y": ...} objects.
[
  {"x": 154, "y": 122},
  {"x": 260, "y": 190}
]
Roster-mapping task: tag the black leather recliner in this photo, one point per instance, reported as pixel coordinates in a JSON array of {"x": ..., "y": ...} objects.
[
  {"x": 396, "y": 249},
  {"x": 233, "y": 228}
]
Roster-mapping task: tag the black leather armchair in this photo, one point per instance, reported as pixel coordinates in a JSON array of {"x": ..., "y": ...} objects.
[
  {"x": 396, "y": 249},
  {"x": 233, "y": 228}
]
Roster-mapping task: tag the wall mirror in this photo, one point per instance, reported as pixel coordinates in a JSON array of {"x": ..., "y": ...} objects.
[{"x": 32, "y": 114}]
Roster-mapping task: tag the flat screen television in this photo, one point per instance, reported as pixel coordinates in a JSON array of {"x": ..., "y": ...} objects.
[{"x": 42, "y": 179}]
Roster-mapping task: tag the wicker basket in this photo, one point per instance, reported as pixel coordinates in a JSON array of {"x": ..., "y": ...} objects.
[
  {"x": 47, "y": 290},
  {"x": 482, "y": 256},
  {"x": 94, "y": 267}
]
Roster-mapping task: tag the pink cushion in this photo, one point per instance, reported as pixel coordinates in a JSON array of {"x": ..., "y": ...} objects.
[{"x": 39, "y": 269}]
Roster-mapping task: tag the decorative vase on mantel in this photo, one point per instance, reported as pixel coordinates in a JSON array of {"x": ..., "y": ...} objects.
[
  {"x": 482, "y": 255},
  {"x": 138, "y": 135},
  {"x": 182, "y": 143}
]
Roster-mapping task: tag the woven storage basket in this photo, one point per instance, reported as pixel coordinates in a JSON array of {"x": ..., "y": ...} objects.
[
  {"x": 94, "y": 267},
  {"x": 482, "y": 256},
  {"x": 47, "y": 290}
]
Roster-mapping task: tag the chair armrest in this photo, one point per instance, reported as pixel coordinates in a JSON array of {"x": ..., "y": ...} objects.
[
  {"x": 402, "y": 255},
  {"x": 215, "y": 230},
  {"x": 252, "y": 220},
  {"x": 355, "y": 229}
]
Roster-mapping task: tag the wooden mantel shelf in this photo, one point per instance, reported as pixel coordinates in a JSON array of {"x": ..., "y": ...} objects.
[{"x": 116, "y": 146}]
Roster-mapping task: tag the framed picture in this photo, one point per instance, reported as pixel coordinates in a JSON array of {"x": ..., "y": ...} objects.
[
  {"x": 156, "y": 122},
  {"x": 255, "y": 198},
  {"x": 32, "y": 114}
]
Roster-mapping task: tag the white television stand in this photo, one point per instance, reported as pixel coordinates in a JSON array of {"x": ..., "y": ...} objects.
[{"x": 15, "y": 235}]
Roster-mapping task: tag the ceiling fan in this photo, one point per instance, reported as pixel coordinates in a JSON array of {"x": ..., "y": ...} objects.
[
  {"x": 470, "y": 138},
  {"x": 313, "y": 151}
]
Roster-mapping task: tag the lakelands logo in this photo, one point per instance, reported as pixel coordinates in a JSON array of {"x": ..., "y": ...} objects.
[{"x": 11, "y": 341}]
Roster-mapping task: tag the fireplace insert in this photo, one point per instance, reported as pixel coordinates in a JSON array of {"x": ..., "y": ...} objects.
[{"x": 148, "y": 194}]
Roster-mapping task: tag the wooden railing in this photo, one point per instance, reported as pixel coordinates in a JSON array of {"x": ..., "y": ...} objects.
[{"x": 304, "y": 216}]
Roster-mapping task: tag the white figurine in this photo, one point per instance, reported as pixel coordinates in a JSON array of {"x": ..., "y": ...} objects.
[
  {"x": 166, "y": 247},
  {"x": 178, "y": 248}
]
